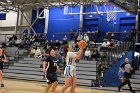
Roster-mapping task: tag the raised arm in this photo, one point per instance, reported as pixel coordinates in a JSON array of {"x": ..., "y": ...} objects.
[{"x": 79, "y": 54}]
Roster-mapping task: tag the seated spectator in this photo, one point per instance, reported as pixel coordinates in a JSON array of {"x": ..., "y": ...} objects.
[
  {"x": 18, "y": 42},
  {"x": 112, "y": 44},
  {"x": 32, "y": 53},
  {"x": 80, "y": 37},
  {"x": 65, "y": 39},
  {"x": 21, "y": 45},
  {"x": 86, "y": 38},
  {"x": 61, "y": 50},
  {"x": 112, "y": 36},
  {"x": 4, "y": 44},
  {"x": 58, "y": 57},
  {"x": 95, "y": 54},
  {"x": 11, "y": 42},
  {"x": 108, "y": 44},
  {"x": 87, "y": 54},
  {"x": 104, "y": 46},
  {"x": 57, "y": 44},
  {"x": 32, "y": 39},
  {"x": 106, "y": 37},
  {"x": 51, "y": 43},
  {"x": 14, "y": 37},
  {"x": 38, "y": 53}
]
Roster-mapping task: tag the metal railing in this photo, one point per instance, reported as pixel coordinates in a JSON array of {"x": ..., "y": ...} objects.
[
  {"x": 17, "y": 56},
  {"x": 120, "y": 48},
  {"x": 136, "y": 64}
]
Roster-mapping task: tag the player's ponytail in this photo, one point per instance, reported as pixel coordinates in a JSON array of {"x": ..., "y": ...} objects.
[{"x": 65, "y": 50}]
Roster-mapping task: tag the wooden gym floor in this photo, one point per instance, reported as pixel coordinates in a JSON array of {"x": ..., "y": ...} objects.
[{"x": 19, "y": 86}]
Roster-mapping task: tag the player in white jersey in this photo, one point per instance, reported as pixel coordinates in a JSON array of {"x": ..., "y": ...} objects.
[{"x": 70, "y": 69}]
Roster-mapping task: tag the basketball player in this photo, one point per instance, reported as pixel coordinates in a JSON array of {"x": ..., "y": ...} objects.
[
  {"x": 50, "y": 66},
  {"x": 70, "y": 69},
  {"x": 127, "y": 75},
  {"x": 2, "y": 59}
]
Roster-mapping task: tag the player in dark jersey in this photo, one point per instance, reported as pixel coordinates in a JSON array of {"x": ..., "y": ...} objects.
[
  {"x": 50, "y": 66},
  {"x": 2, "y": 59}
]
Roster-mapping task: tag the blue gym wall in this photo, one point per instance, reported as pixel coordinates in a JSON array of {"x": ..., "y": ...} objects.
[
  {"x": 60, "y": 22},
  {"x": 124, "y": 20}
]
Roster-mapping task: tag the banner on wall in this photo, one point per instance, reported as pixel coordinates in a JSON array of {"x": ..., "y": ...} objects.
[{"x": 2, "y": 16}]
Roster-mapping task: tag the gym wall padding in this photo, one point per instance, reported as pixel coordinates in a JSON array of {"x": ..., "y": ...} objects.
[{"x": 59, "y": 22}]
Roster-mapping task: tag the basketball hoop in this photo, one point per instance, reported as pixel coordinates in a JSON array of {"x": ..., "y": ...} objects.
[
  {"x": 111, "y": 15},
  {"x": 111, "y": 11}
]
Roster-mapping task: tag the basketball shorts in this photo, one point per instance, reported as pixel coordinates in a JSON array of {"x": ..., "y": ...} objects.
[
  {"x": 51, "y": 77},
  {"x": 70, "y": 71}
]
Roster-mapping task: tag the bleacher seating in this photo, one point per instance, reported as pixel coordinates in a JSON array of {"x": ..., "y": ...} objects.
[{"x": 29, "y": 69}]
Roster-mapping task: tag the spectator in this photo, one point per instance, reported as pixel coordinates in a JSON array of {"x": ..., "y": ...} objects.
[
  {"x": 112, "y": 44},
  {"x": 4, "y": 44},
  {"x": 14, "y": 37},
  {"x": 32, "y": 53},
  {"x": 95, "y": 54},
  {"x": 61, "y": 50},
  {"x": 97, "y": 33},
  {"x": 86, "y": 38},
  {"x": 112, "y": 36},
  {"x": 87, "y": 54},
  {"x": 58, "y": 57},
  {"x": 65, "y": 37},
  {"x": 18, "y": 42},
  {"x": 80, "y": 37},
  {"x": 100, "y": 71},
  {"x": 106, "y": 37},
  {"x": 38, "y": 53},
  {"x": 104, "y": 46}
]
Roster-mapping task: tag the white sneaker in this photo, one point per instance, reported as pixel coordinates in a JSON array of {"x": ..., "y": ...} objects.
[{"x": 100, "y": 86}]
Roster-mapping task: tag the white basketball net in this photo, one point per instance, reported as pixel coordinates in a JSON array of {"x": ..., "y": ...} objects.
[
  {"x": 111, "y": 12},
  {"x": 111, "y": 15}
]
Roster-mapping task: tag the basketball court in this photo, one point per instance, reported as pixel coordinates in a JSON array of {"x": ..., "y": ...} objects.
[{"x": 20, "y": 86}]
